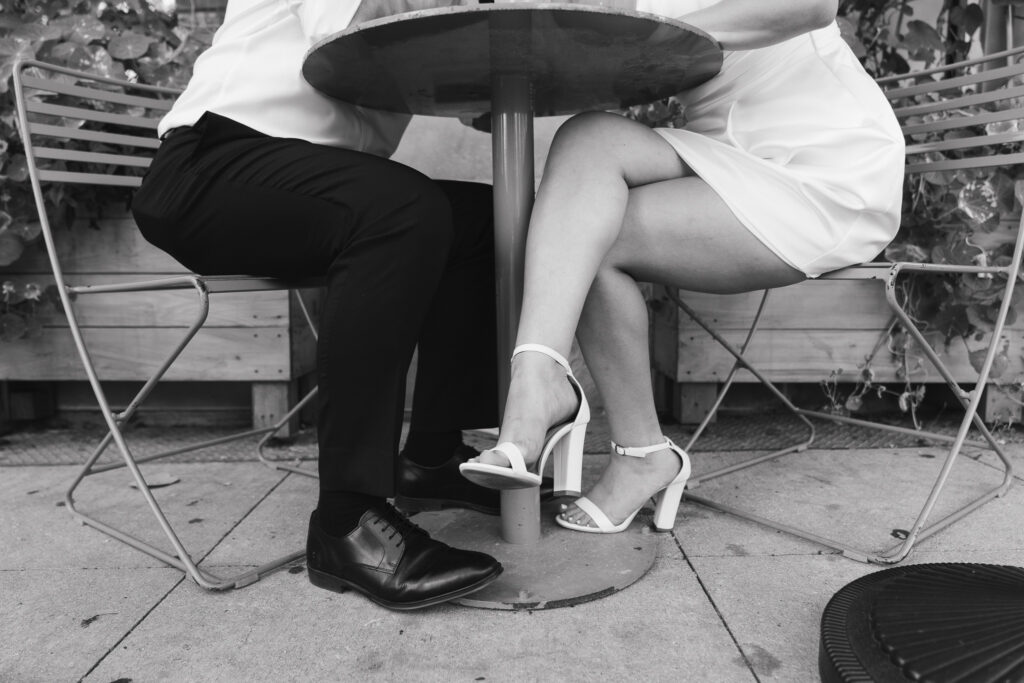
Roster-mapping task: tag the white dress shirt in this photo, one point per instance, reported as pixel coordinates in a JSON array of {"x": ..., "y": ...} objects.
[{"x": 252, "y": 73}]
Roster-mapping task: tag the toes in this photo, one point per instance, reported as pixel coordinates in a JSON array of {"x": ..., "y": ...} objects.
[
  {"x": 573, "y": 515},
  {"x": 492, "y": 458}
]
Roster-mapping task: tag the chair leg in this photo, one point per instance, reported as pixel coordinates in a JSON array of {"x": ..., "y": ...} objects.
[
  {"x": 181, "y": 559},
  {"x": 739, "y": 364},
  {"x": 276, "y": 429}
]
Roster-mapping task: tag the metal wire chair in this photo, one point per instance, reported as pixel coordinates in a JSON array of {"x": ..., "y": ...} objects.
[
  {"x": 934, "y": 105},
  {"x": 81, "y": 128}
]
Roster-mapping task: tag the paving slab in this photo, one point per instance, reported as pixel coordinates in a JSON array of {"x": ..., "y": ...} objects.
[
  {"x": 284, "y": 629},
  {"x": 58, "y": 623},
  {"x": 862, "y": 498},
  {"x": 274, "y": 528},
  {"x": 771, "y": 588},
  {"x": 773, "y": 605},
  {"x": 742, "y": 604},
  {"x": 203, "y": 505},
  {"x": 39, "y": 533}
]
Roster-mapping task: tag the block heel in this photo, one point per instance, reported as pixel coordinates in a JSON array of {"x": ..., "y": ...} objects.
[{"x": 667, "y": 499}]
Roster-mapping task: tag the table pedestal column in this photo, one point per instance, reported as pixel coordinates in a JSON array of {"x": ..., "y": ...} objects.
[{"x": 512, "y": 150}]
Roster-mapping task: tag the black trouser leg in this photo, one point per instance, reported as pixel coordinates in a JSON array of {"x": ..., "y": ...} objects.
[
  {"x": 225, "y": 199},
  {"x": 456, "y": 374}
]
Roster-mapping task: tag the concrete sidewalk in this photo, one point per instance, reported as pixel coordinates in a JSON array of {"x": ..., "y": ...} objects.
[{"x": 726, "y": 600}]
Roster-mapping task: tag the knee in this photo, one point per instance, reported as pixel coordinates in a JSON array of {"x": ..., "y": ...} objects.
[
  {"x": 422, "y": 211},
  {"x": 588, "y": 129}
]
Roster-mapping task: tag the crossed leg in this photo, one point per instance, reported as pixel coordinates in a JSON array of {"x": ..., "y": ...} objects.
[{"x": 617, "y": 205}]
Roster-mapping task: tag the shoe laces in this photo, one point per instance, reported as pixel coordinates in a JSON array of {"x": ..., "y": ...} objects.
[{"x": 399, "y": 524}]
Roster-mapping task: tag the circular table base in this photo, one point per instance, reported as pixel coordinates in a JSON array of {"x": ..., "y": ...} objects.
[{"x": 562, "y": 569}]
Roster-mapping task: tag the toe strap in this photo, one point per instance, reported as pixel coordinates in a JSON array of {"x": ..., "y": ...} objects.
[
  {"x": 515, "y": 456},
  {"x": 595, "y": 513}
]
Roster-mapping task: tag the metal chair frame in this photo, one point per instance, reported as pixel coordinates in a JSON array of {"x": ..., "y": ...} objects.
[
  {"x": 983, "y": 81},
  {"x": 46, "y": 129}
]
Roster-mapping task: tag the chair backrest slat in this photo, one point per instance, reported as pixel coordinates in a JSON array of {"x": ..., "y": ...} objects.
[
  {"x": 91, "y": 157},
  {"x": 965, "y": 143},
  {"x": 968, "y": 101},
  {"x": 117, "y": 97},
  {"x": 89, "y": 178},
  {"x": 92, "y": 115},
  {"x": 953, "y": 122},
  {"x": 967, "y": 115},
  {"x": 84, "y": 128},
  {"x": 956, "y": 82},
  {"x": 960, "y": 164},
  {"x": 63, "y": 132}
]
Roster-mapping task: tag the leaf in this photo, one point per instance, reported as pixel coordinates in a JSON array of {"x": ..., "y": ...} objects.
[
  {"x": 129, "y": 46},
  {"x": 17, "y": 168},
  {"x": 36, "y": 32},
  {"x": 921, "y": 35},
  {"x": 849, "y": 33},
  {"x": 1000, "y": 362},
  {"x": 968, "y": 19},
  {"x": 11, "y": 248},
  {"x": 72, "y": 55},
  {"x": 28, "y": 231},
  {"x": 904, "y": 251},
  {"x": 1003, "y": 234},
  {"x": 81, "y": 28}
]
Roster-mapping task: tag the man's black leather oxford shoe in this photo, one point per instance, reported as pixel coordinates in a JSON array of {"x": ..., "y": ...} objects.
[
  {"x": 394, "y": 562},
  {"x": 443, "y": 487}
]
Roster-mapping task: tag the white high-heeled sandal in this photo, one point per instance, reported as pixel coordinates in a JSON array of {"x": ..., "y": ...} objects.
[
  {"x": 564, "y": 443},
  {"x": 667, "y": 503}
]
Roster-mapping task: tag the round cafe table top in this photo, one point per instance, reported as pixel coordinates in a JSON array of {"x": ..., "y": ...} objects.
[{"x": 442, "y": 61}]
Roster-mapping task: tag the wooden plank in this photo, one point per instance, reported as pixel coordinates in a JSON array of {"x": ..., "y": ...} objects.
[
  {"x": 825, "y": 304},
  {"x": 30, "y": 400},
  {"x": 129, "y": 353},
  {"x": 693, "y": 401},
  {"x": 163, "y": 309},
  {"x": 811, "y": 355},
  {"x": 999, "y": 407},
  {"x": 303, "y": 351},
  {"x": 271, "y": 401},
  {"x": 116, "y": 247},
  {"x": 206, "y": 404},
  {"x": 664, "y": 334}
]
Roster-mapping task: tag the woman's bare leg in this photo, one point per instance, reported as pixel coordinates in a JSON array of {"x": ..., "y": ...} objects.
[
  {"x": 679, "y": 233},
  {"x": 615, "y": 195},
  {"x": 576, "y": 218}
]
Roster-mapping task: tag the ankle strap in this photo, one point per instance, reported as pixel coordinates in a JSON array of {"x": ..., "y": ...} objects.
[
  {"x": 642, "y": 451},
  {"x": 547, "y": 351}
]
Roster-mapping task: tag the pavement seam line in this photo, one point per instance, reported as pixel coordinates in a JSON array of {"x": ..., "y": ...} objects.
[
  {"x": 243, "y": 517},
  {"x": 134, "y": 626},
  {"x": 184, "y": 576},
  {"x": 714, "y": 605}
]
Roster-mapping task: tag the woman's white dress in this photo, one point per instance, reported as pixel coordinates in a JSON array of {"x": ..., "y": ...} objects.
[{"x": 801, "y": 145}]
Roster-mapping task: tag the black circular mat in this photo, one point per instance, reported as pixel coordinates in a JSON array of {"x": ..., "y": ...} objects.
[{"x": 927, "y": 622}]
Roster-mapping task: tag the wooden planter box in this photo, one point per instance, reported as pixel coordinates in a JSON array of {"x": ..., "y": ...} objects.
[
  {"x": 808, "y": 332},
  {"x": 258, "y": 339}
]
